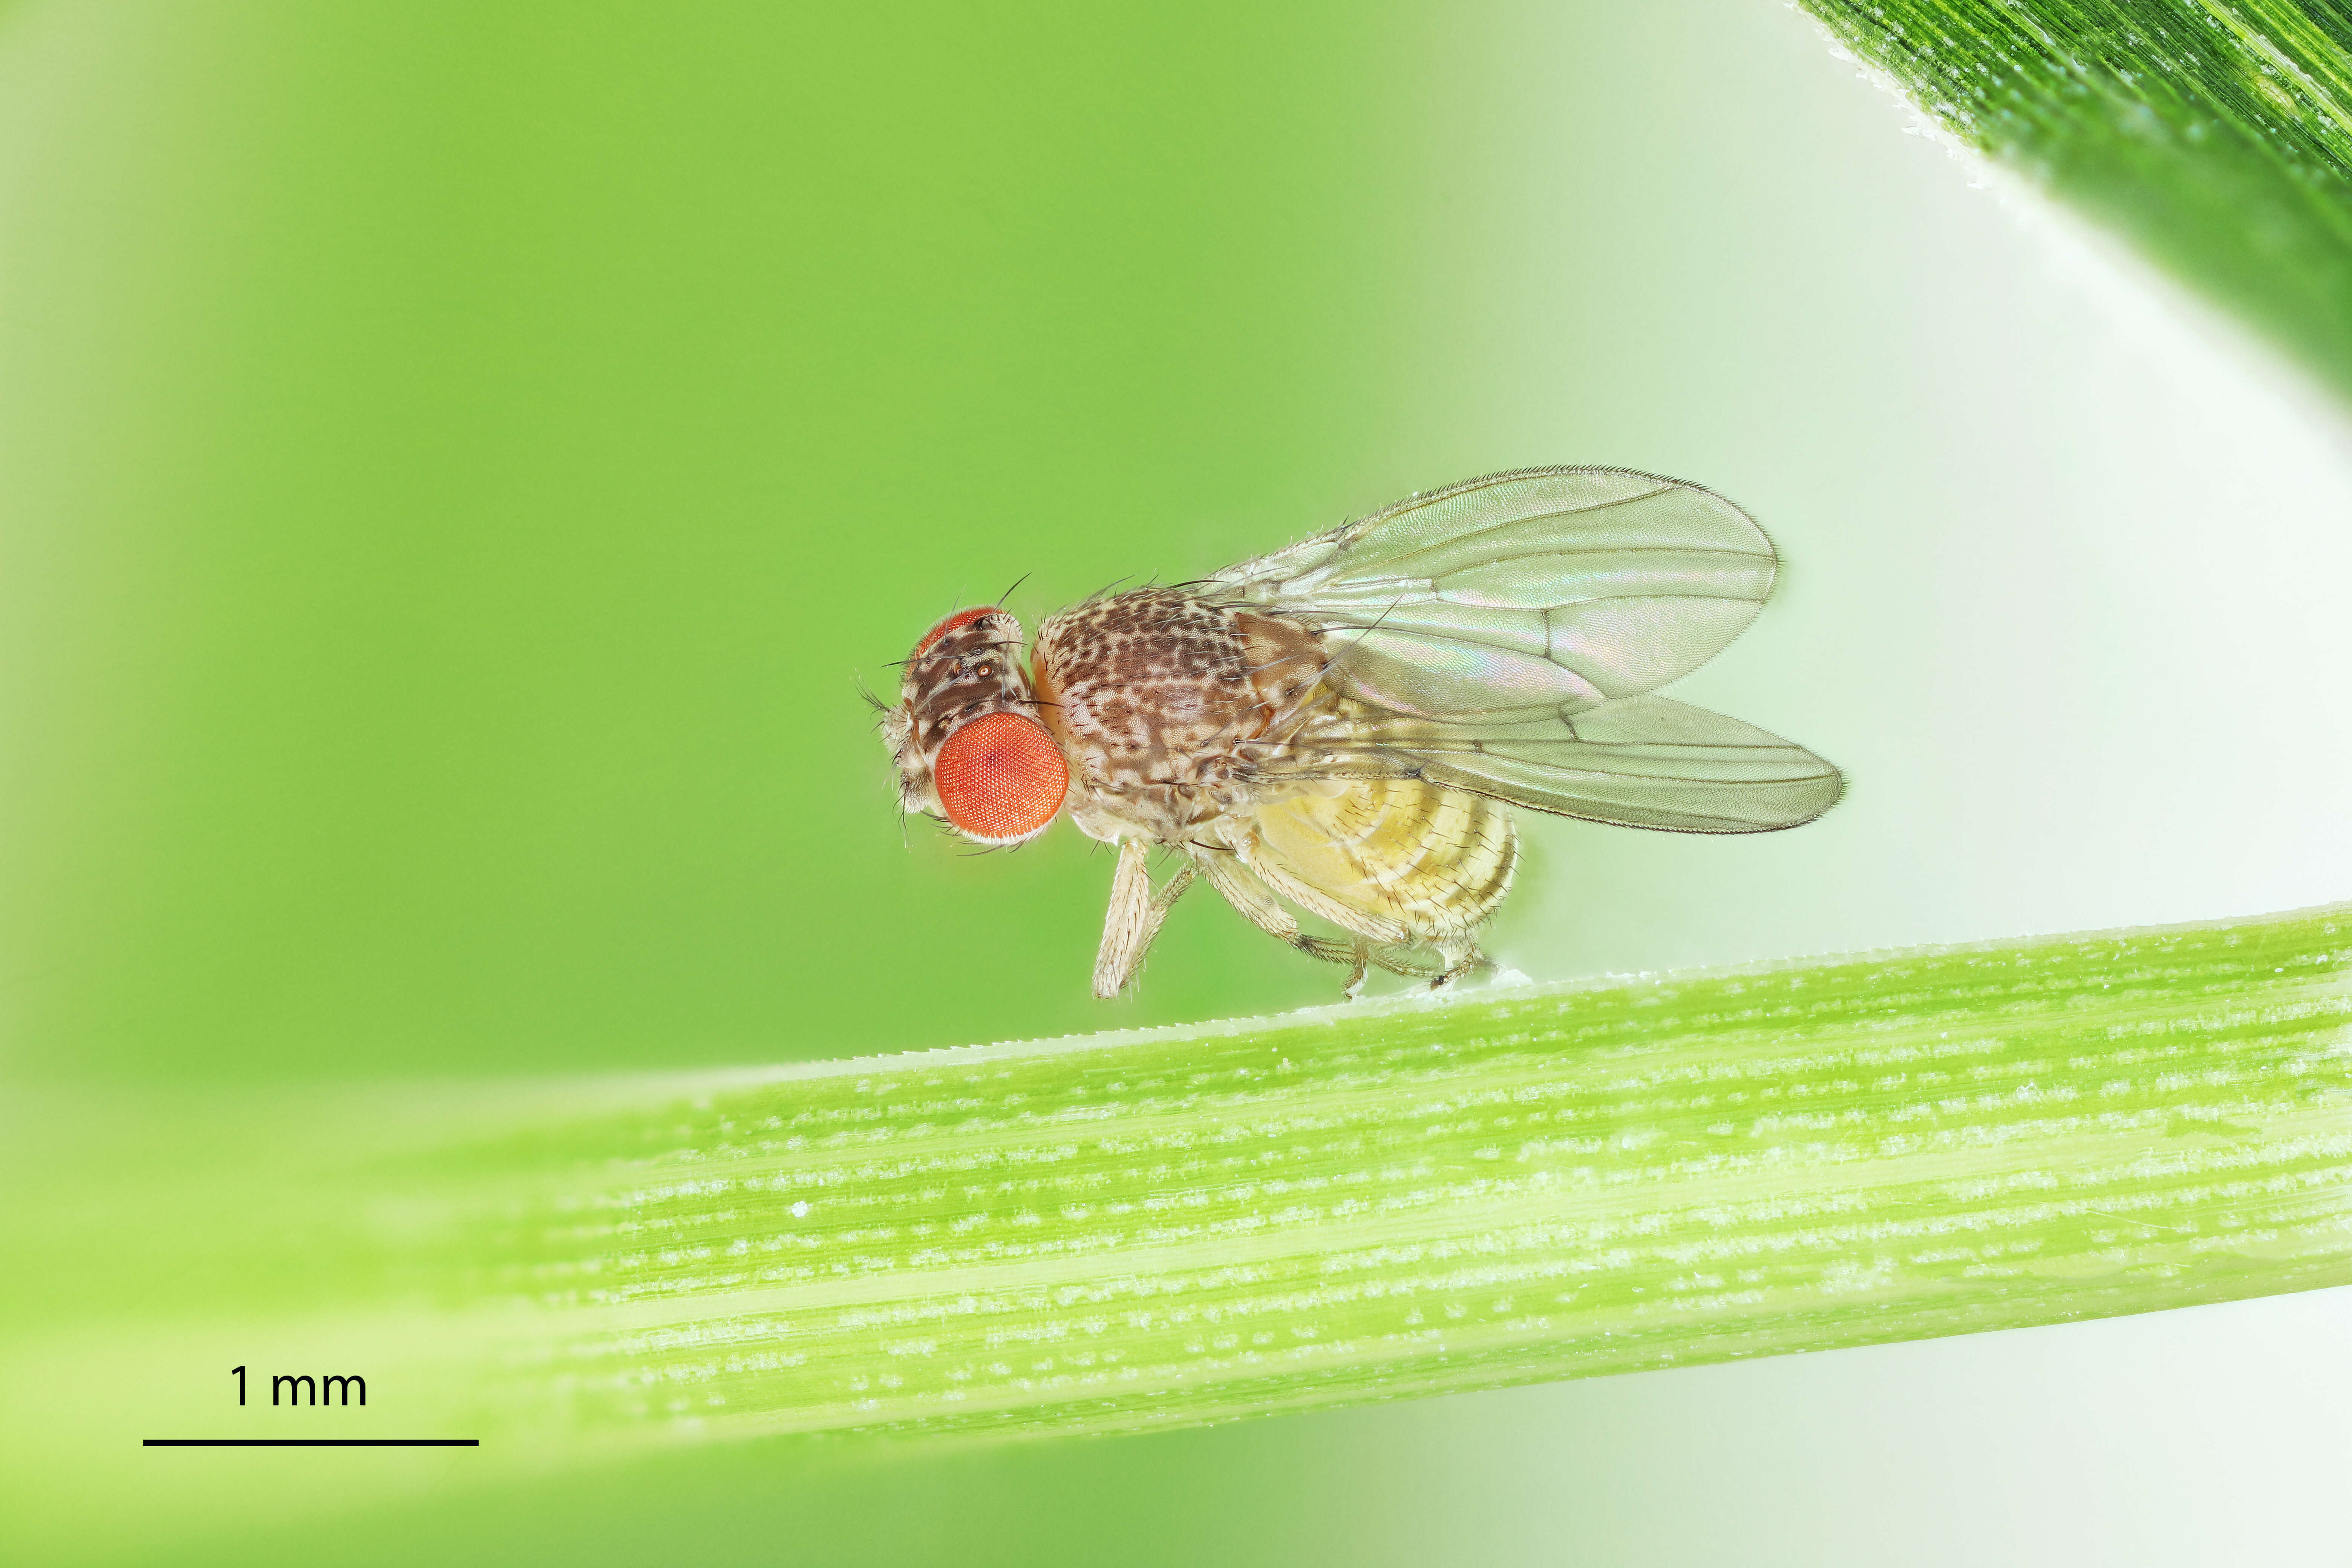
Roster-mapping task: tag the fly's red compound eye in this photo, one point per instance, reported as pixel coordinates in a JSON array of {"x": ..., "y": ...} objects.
[
  {"x": 961, "y": 618},
  {"x": 1001, "y": 778}
]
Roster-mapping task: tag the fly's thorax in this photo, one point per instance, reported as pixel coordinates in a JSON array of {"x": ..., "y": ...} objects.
[
  {"x": 1288, "y": 661},
  {"x": 966, "y": 736},
  {"x": 1154, "y": 693}
]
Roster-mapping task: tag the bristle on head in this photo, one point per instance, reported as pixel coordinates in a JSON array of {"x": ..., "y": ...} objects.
[{"x": 961, "y": 618}]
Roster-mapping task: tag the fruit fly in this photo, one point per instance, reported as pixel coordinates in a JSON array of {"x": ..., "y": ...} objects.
[{"x": 1340, "y": 728}]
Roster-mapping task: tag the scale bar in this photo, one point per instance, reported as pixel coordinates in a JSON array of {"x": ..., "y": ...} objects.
[{"x": 310, "y": 1442}]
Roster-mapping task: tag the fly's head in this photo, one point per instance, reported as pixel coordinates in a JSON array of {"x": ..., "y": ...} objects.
[{"x": 966, "y": 737}]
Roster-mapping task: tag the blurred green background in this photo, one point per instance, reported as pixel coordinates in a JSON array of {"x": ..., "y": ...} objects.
[{"x": 455, "y": 462}]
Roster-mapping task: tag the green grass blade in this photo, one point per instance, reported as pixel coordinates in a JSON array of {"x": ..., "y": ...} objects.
[
  {"x": 1193, "y": 1225},
  {"x": 2215, "y": 134}
]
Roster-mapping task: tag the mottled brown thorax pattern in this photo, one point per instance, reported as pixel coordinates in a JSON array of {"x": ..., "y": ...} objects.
[{"x": 1151, "y": 691}]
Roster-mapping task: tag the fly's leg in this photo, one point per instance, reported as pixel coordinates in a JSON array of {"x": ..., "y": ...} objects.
[
  {"x": 1123, "y": 922},
  {"x": 1241, "y": 889},
  {"x": 1394, "y": 960},
  {"x": 1134, "y": 917},
  {"x": 1233, "y": 881},
  {"x": 1367, "y": 956},
  {"x": 1461, "y": 958},
  {"x": 1169, "y": 891}
]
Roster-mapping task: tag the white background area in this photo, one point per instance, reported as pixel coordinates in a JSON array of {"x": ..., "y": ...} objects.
[{"x": 2066, "y": 557}]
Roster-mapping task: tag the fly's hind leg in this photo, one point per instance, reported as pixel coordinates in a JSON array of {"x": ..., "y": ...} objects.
[
  {"x": 1241, "y": 888},
  {"x": 1461, "y": 957},
  {"x": 1238, "y": 887}
]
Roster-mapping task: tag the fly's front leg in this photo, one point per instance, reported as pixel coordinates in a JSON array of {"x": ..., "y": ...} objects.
[{"x": 1134, "y": 916}]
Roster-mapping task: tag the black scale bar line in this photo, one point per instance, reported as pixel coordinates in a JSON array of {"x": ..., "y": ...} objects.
[{"x": 310, "y": 1442}]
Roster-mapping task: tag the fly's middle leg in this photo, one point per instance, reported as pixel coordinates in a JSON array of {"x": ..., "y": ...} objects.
[
  {"x": 1368, "y": 954},
  {"x": 1398, "y": 961}
]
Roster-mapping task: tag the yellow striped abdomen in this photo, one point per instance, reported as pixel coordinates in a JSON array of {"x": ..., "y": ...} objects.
[{"x": 1396, "y": 861}]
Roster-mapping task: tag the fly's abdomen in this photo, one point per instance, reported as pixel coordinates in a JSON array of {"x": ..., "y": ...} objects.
[{"x": 1396, "y": 861}]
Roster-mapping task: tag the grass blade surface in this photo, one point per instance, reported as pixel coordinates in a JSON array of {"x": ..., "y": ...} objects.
[
  {"x": 1193, "y": 1225},
  {"x": 2215, "y": 134}
]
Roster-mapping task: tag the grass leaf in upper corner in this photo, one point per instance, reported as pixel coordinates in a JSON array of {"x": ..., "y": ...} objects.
[{"x": 2214, "y": 135}]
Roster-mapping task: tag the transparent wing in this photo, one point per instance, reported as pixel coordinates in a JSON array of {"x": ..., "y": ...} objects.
[
  {"x": 1643, "y": 762},
  {"x": 1536, "y": 594}
]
